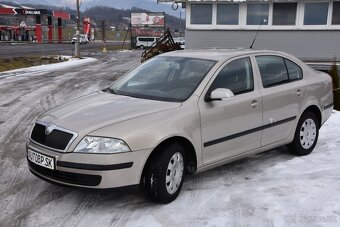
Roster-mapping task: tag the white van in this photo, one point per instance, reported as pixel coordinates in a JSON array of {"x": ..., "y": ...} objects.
[
  {"x": 181, "y": 41},
  {"x": 82, "y": 39},
  {"x": 143, "y": 42}
]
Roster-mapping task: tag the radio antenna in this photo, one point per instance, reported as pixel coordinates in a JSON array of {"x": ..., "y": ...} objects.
[{"x": 252, "y": 44}]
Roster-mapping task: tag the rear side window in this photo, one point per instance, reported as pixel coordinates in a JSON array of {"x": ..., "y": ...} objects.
[
  {"x": 276, "y": 70},
  {"x": 294, "y": 71},
  {"x": 273, "y": 70},
  {"x": 236, "y": 76}
]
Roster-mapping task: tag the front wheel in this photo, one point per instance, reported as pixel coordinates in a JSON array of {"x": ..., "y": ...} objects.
[
  {"x": 164, "y": 179},
  {"x": 306, "y": 135}
]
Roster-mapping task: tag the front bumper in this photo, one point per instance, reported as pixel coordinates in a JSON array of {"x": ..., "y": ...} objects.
[{"x": 100, "y": 171}]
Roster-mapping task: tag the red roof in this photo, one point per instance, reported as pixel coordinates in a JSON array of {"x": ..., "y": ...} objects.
[{"x": 7, "y": 11}]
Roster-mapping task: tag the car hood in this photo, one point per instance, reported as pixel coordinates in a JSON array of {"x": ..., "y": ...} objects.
[{"x": 101, "y": 109}]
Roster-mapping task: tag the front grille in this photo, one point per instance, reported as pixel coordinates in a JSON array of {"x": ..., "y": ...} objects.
[
  {"x": 57, "y": 139},
  {"x": 67, "y": 177}
]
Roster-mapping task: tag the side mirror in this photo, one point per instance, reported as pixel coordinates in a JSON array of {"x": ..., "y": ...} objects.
[{"x": 220, "y": 94}]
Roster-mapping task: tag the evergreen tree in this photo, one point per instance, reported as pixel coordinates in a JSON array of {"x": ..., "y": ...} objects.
[
  {"x": 335, "y": 77},
  {"x": 334, "y": 74}
]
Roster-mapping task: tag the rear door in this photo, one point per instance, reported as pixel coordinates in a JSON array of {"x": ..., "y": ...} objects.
[
  {"x": 233, "y": 126},
  {"x": 283, "y": 91}
]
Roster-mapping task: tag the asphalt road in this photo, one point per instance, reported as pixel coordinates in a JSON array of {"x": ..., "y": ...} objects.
[
  {"x": 23, "y": 98},
  {"x": 8, "y": 50}
]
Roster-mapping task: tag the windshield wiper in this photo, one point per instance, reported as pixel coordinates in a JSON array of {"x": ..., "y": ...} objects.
[{"x": 132, "y": 96}]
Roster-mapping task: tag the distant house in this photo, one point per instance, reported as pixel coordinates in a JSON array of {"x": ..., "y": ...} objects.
[{"x": 308, "y": 29}]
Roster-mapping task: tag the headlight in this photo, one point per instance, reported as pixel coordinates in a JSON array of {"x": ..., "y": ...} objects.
[{"x": 92, "y": 144}]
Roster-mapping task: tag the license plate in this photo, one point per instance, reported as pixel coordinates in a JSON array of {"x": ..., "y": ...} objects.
[{"x": 41, "y": 160}]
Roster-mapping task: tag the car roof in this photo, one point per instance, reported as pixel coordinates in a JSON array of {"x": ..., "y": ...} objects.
[{"x": 218, "y": 54}]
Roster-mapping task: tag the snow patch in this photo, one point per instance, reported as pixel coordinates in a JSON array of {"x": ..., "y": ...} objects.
[
  {"x": 71, "y": 62},
  {"x": 126, "y": 51}
]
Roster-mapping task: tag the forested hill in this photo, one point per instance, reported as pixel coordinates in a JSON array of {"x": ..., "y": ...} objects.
[
  {"x": 116, "y": 16},
  {"x": 112, "y": 16}
]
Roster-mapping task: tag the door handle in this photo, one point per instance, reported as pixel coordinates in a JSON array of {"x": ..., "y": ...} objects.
[
  {"x": 254, "y": 103},
  {"x": 299, "y": 92}
]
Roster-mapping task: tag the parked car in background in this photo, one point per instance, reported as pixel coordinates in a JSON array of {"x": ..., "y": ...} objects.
[
  {"x": 180, "y": 113},
  {"x": 82, "y": 39},
  {"x": 181, "y": 41},
  {"x": 145, "y": 42}
]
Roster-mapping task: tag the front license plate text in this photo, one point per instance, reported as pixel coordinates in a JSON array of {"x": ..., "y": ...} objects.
[{"x": 41, "y": 160}]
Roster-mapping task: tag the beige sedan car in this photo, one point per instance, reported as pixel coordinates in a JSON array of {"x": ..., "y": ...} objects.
[{"x": 181, "y": 113}]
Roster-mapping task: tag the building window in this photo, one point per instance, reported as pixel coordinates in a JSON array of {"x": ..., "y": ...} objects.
[
  {"x": 227, "y": 14},
  {"x": 257, "y": 13},
  {"x": 316, "y": 13},
  {"x": 336, "y": 13},
  {"x": 284, "y": 13},
  {"x": 201, "y": 14}
]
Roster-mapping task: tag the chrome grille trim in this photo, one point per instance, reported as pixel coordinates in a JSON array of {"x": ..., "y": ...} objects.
[{"x": 75, "y": 135}]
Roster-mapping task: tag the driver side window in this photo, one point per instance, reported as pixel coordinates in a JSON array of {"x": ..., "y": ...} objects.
[{"x": 236, "y": 76}]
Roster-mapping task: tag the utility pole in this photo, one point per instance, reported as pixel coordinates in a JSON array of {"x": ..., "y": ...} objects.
[
  {"x": 180, "y": 22},
  {"x": 77, "y": 46}
]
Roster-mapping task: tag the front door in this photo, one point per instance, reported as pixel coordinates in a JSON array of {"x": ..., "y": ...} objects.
[{"x": 234, "y": 126}]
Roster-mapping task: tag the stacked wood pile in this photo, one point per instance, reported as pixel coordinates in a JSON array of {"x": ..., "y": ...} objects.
[{"x": 164, "y": 44}]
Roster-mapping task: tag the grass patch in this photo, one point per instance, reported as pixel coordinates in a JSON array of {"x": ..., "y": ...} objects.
[{"x": 24, "y": 62}]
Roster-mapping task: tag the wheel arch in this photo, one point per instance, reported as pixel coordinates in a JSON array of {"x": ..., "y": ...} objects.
[
  {"x": 315, "y": 110},
  {"x": 297, "y": 145},
  {"x": 190, "y": 154}
]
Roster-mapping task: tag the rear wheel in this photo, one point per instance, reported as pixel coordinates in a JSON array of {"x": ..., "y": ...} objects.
[
  {"x": 306, "y": 135},
  {"x": 164, "y": 179}
]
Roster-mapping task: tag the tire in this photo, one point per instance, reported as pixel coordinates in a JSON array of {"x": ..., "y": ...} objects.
[
  {"x": 164, "y": 178},
  {"x": 306, "y": 135},
  {"x": 141, "y": 47}
]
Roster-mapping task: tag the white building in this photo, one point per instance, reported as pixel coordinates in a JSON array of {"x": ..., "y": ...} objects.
[{"x": 307, "y": 29}]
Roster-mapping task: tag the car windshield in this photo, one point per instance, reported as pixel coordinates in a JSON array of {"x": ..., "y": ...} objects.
[{"x": 164, "y": 78}]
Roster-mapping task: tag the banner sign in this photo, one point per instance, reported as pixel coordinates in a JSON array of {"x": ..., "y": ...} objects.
[
  {"x": 148, "y": 19},
  {"x": 62, "y": 15},
  {"x": 87, "y": 25},
  {"x": 32, "y": 11}
]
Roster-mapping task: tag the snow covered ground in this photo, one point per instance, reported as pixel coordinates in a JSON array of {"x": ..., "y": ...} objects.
[
  {"x": 71, "y": 62},
  {"x": 274, "y": 188}
]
